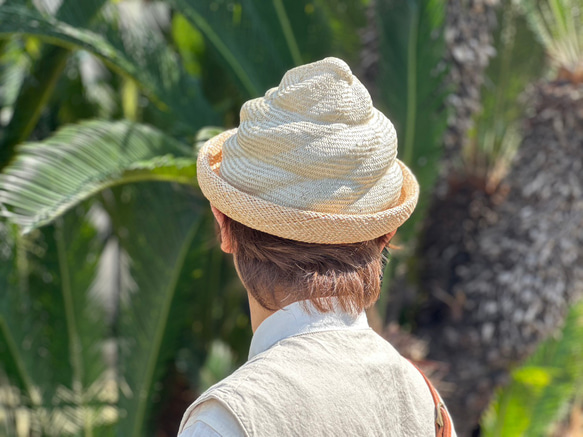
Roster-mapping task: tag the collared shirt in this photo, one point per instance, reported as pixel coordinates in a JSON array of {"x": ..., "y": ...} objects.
[{"x": 211, "y": 419}]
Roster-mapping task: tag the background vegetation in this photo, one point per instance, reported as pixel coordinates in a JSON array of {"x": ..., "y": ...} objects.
[{"x": 116, "y": 306}]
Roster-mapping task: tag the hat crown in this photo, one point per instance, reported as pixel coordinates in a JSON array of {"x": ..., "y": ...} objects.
[
  {"x": 313, "y": 90},
  {"x": 316, "y": 143}
]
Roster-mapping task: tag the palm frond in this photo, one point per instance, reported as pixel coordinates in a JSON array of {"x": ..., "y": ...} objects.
[
  {"x": 140, "y": 271},
  {"x": 410, "y": 84},
  {"x": 54, "y": 361},
  {"x": 257, "y": 44},
  {"x": 75, "y": 13},
  {"x": 13, "y": 69},
  {"x": 145, "y": 58},
  {"x": 559, "y": 26},
  {"x": 40, "y": 83},
  {"x": 12, "y": 264},
  {"x": 169, "y": 240},
  {"x": 346, "y": 20},
  {"x": 48, "y": 178}
]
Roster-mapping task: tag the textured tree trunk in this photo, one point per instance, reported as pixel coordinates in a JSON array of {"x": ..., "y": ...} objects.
[
  {"x": 501, "y": 270},
  {"x": 468, "y": 36}
]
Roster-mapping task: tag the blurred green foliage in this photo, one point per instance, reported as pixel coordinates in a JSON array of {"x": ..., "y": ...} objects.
[
  {"x": 542, "y": 389},
  {"x": 558, "y": 24}
]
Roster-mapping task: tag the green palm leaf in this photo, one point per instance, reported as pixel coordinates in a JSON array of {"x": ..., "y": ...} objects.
[
  {"x": 173, "y": 284},
  {"x": 13, "y": 69},
  {"x": 135, "y": 280},
  {"x": 258, "y": 43},
  {"x": 124, "y": 288},
  {"x": 52, "y": 326},
  {"x": 50, "y": 177},
  {"x": 143, "y": 57},
  {"x": 40, "y": 83},
  {"x": 11, "y": 277}
]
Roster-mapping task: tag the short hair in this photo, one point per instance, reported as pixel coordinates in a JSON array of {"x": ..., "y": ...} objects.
[{"x": 277, "y": 271}]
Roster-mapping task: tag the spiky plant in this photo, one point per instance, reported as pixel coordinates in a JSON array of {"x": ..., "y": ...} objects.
[{"x": 559, "y": 26}]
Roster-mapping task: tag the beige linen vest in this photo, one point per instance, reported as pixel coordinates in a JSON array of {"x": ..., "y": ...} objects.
[{"x": 329, "y": 383}]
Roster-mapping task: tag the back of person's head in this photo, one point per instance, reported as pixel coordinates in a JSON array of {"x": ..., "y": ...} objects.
[
  {"x": 311, "y": 187},
  {"x": 277, "y": 271}
]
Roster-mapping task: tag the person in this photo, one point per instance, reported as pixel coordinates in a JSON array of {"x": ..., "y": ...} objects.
[{"x": 307, "y": 193}]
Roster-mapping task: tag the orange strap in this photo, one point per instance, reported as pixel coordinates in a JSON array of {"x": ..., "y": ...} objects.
[{"x": 443, "y": 426}]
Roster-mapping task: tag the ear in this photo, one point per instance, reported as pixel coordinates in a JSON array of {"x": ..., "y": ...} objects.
[
  {"x": 387, "y": 238},
  {"x": 226, "y": 242}
]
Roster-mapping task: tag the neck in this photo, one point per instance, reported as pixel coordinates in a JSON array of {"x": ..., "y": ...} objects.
[{"x": 258, "y": 313}]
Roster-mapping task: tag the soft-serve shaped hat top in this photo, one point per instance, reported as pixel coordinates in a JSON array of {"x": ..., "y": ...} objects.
[{"x": 311, "y": 161}]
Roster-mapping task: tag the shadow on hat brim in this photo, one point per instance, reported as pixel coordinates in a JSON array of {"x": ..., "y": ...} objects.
[{"x": 292, "y": 223}]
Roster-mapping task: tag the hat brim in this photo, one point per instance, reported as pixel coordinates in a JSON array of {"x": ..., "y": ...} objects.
[{"x": 292, "y": 223}]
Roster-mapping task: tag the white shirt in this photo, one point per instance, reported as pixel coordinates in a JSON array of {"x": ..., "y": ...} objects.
[{"x": 211, "y": 418}]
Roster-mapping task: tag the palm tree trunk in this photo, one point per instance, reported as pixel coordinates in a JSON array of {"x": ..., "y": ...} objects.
[
  {"x": 469, "y": 40},
  {"x": 506, "y": 268}
]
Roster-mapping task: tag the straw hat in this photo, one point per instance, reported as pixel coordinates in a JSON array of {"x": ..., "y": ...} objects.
[{"x": 311, "y": 161}]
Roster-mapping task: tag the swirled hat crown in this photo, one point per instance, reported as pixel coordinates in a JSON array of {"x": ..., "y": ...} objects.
[{"x": 312, "y": 160}]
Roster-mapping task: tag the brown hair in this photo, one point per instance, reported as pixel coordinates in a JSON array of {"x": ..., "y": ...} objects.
[{"x": 277, "y": 271}]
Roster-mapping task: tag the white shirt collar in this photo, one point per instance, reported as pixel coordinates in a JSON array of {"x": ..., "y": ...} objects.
[{"x": 294, "y": 320}]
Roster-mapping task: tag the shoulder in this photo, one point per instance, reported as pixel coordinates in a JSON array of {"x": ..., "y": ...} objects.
[
  {"x": 216, "y": 403},
  {"x": 213, "y": 407},
  {"x": 210, "y": 418},
  {"x": 330, "y": 373}
]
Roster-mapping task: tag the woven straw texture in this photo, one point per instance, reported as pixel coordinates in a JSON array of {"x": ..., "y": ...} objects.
[{"x": 311, "y": 161}]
